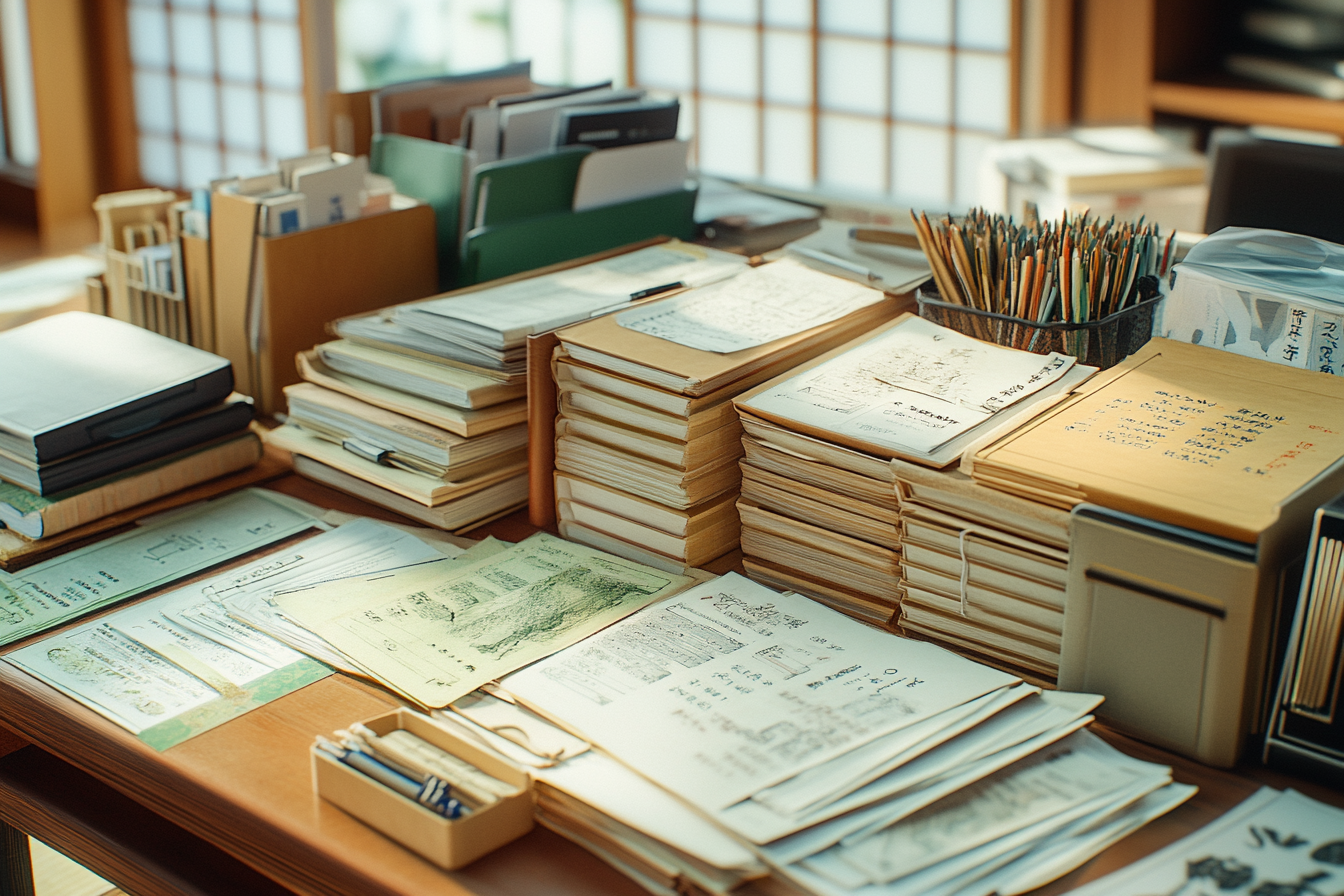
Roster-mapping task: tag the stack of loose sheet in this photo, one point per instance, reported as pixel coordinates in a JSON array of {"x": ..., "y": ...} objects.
[
  {"x": 981, "y": 570},
  {"x": 647, "y": 441},
  {"x": 819, "y": 507},
  {"x": 845, "y": 759},
  {"x": 420, "y": 407}
]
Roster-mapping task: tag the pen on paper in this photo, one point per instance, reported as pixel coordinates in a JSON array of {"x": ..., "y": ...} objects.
[
  {"x": 691, "y": 283},
  {"x": 836, "y": 261}
]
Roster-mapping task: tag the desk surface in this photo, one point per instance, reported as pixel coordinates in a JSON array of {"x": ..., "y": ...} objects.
[{"x": 245, "y": 786}]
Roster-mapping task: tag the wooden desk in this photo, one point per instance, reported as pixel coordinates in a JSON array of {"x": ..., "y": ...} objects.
[{"x": 237, "y": 800}]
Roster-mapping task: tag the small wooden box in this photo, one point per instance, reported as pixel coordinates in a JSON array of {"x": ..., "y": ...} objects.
[{"x": 448, "y": 843}]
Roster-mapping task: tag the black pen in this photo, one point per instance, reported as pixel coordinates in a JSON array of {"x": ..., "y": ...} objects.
[{"x": 655, "y": 290}]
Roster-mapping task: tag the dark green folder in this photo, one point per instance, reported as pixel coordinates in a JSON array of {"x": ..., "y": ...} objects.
[
  {"x": 504, "y": 249},
  {"x": 526, "y": 187},
  {"x": 431, "y": 172}
]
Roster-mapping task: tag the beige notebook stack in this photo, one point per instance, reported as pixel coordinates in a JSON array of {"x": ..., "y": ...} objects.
[
  {"x": 439, "y": 442},
  {"x": 647, "y": 441},
  {"x": 982, "y": 571},
  {"x": 820, "y": 509}
]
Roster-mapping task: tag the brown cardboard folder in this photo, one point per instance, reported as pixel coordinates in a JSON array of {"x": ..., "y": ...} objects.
[{"x": 274, "y": 295}]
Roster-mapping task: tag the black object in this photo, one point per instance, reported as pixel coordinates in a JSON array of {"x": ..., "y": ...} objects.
[{"x": 1277, "y": 185}]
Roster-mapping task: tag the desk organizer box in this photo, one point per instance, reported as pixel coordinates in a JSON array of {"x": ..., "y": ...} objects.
[
  {"x": 1101, "y": 343},
  {"x": 448, "y": 843}
]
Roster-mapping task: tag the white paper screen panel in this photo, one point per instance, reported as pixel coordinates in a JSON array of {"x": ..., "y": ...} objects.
[
  {"x": 218, "y": 87},
  {"x": 890, "y": 98}
]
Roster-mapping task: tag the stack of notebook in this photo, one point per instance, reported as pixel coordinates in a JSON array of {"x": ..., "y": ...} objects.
[
  {"x": 433, "y": 441},
  {"x": 819, "y": 507},
  {"x": 420, "y": 407},
  {"x": 982, "y": 571},
  {"x": 647, "y": 442},
  {"x": 98, "y": 415}
]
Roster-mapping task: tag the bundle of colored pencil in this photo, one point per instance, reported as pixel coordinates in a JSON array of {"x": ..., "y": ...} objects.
[{"x": 1074, "y": 270}]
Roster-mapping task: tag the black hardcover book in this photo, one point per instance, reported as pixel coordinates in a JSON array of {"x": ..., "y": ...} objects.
[{"x": 617, "y": 124}]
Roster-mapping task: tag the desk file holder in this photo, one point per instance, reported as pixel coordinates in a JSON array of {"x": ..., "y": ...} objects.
[
  {"x": 1306, "y": 728},
  {"x": 273, "y": 295},
  {"x": 1177, "y": 628}
]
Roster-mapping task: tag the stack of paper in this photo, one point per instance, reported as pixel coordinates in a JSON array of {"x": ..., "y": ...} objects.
[
  {"x": 437, "y": 631},
  {"x": 420, "y": 408},
  {"x": 845, "y": 758},
  {"x": 982, "y": 571},
  {"x": 819, "y": 508},
  {"x": 647, "y": 441}
]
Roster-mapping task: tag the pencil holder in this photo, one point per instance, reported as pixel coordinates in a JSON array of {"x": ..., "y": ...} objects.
[{"x": 1101, "y": 343}]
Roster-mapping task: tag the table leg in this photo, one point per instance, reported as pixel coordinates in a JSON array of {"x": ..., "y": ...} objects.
[{"x": 16, "y": 863}]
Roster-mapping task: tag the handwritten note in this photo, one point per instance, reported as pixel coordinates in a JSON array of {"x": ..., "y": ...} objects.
[
  {"x": 732, "y": 687},
  {"x": 770, "y": 302},
  {"x": 914, "y": 388}
]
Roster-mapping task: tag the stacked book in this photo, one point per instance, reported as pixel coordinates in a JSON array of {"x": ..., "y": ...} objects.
[
  {"x": 420, "y": 408},
  {"x": 647, "y": 441},
  {"x": 982, "y": 571},
  {"x": 819, "y": 489},
  {"x": 98, "y": 415},
  {"x": 435, "y": 442}
]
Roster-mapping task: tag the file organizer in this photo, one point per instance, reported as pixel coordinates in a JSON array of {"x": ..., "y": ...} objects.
[
  {"x": 273, "y": 295},
  {"x": 431, "y": 172},
  {"x": 1306, "y": 729},
  {"x": 521, "y": 245},
  {"x": 1178, "y": 628}
]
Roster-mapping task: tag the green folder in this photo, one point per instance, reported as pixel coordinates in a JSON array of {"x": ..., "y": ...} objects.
[
  {"x": 503, "y": 249},
  {"x": 431, "y": 172},
  {"x": 527, "y": 187}
]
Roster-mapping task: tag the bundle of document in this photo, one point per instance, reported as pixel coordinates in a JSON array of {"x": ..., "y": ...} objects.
[
  {"x": 982, "y": 571},
  {"x": 98, "y": 415},
  {"x": 837, "y": 757},
  {"x": 818, "y": 489},
  {"x": 442, "y": 443},
  {"x": 1179, "y": 434},
  {"x": 647, "y": 441}
]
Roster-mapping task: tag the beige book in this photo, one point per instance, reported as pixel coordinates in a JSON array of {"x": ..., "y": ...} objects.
[
  {"x": 670, "y": 486},
  {"x": 995, "y": 610},
  {"x": 1181, "y": 434},
  {"x": 430, "y": 491},
  {"x": 710, "y": 449},
  {"x": 981, "y": 597},
  {"x": 955, "y": 493},
  {"x": 603, "y": 343},
  {"x": 694, "y": 550},
  {"x": 758, "y": 544},
  {"x": 832, "y": 479},
  {"x": 681, "y": 523},
  {"x": 859, "y": 606},
  {"x": 816, "y": 449},
  {"x": 1041, "y": 664},
  {"x": 462, "y": 514},
  {"x": 449, "y": 385},
  {"x": 604, "y": 541},
  {"x": 985, "y": 547},
  {"x": 931, "y": 568},
  {"x": 852, "y": 564},
  {"x": 943, "y": 530},
  {"x": 404, "y": 441},
  {"x": 459, "y": 421},
  {"x": 813, "y": 505},
  {"x": 39, "y": 516},
  {"x": 572, "y": 376},
  {"x": 579, "y": 400}
]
